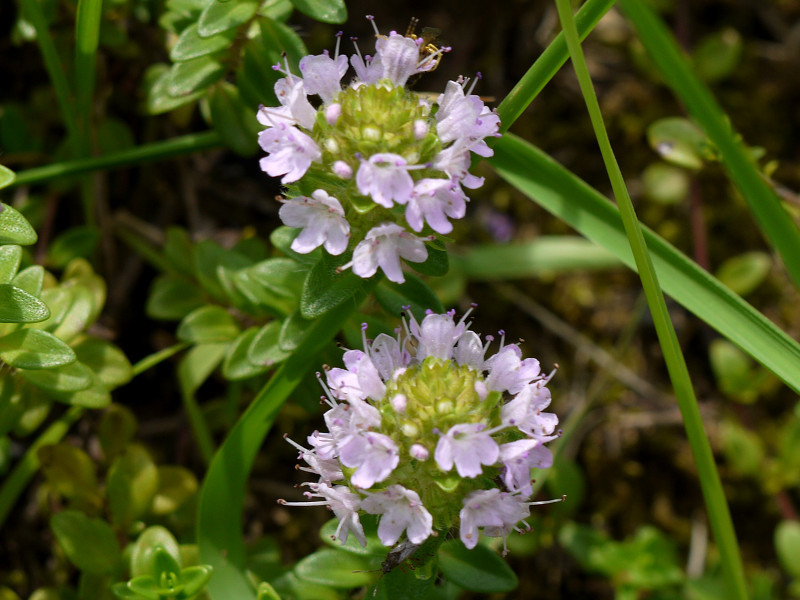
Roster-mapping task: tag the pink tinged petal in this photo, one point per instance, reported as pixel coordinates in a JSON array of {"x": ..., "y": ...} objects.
[
  {"x": 323, "y": 222},
  {"x": 322, "y": 74},
  {"x": 333, "y": 112},
  {"x": 519, "y": 458},
  {"x": 435, "y": 200},
  {"x": 292, "y": 96},
  {"x": 291, "y": 152},
  {"x": 399, "y": 56},
  {"x": 369, "y": 70},
  {"x": 384, "y": 178},
  {"x": 509, "y": 372},
  {"x": 342, "y": 169},
  {"x": 382, "y": 247},
  {"x": 469, "y": 350},
  {"x": 401, "y": 510},
  {"x": 345, "y": 505},
  {"x": 344, "y": 384},
  {"x": 373, "y": 455},
  {"x": 387, "y": 355},
  {"x": 498, "y": 512},
  {"x": 419, "y": 452},
  {"x": 368, "y": 377},
  {"x": 437, "y": 335},
  {"x": 468, "y": 447}
]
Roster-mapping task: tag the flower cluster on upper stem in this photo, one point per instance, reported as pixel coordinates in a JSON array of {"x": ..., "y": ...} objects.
[
  {"x": 428, "y": 432},
  {"x": 370, "y": 165}
]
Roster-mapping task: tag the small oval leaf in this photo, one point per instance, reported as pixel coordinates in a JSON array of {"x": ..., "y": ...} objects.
[
  {"x": 89, "y": 544},
  {"x": 477, "y": 570}
]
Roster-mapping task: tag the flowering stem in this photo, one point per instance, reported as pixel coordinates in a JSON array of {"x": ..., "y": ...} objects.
[{"x": 719, "y": 514}]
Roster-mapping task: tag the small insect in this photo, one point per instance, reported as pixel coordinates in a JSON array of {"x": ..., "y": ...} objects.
[
  {"x": 427, "y": 47},
  {"x": 397, "y": 555}
]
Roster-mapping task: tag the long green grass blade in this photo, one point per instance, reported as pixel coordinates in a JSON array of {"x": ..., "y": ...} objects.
[
  {"x": 52, "y": 62},
  {"x": 87, "y": 37},
  {"x": 186, "y": 144},
  {"x": 219, "y": 520},
  {"x": 548, "y": 63},
  {"x": 710, "y": 482},
  {"x": 775, "y": 222},
  {"x": 566, "y": 196}
]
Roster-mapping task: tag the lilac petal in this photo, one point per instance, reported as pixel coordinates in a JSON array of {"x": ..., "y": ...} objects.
[
  {"x": 322, "y": 74},
  {"x": 384, "y": 178},
  {"x": 399, "y": 56}
]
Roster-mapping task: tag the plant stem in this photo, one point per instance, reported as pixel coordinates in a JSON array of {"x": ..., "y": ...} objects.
[
  {"x": 719, "y": 515},
  {"x": 186, "y": 144}
]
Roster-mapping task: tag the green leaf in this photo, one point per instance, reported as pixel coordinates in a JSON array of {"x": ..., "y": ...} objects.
[
  {"x": 477, "y": 570},
  {"x": 237, "y": 364},
  {"x": 437, "y": 264},
  {"x": 179, "y": 251},
  {"x": 327, "y": 11},
  {"x": 281, "y": 38},
  {"x": 29, "y": 280},
  {"x": 233, "y": 119},
  {"x": 282, "y": 238},
  {"x": 325, "y": 288},
  {"x": 744, "y": 450},
  {"x": 194, "y": 75},
  {"x": 209, "y": 257},
  {"x": 195, "y": 578},
  {"x": 10, "y": 258},
  {"x": 292, "y": 331},
  {"x": 18, "y": 306},
  {"x": 334, "y": 568},
  {"x": 190, "y": 45},
  {"x": 665, "y": 184},
  {"x": 142, "y": 555},
  {"x": 7, "y": 177},
  {"x": 131, "y": 485},
  {"x": 265, "y": 349},
  {"x": 172, "y": 298},
  {"x": 70, "y": 378},
  {"x": 680, "y": 142},
  {"x": 208, "y": 324},
  {"x": 69, "y": 470},
  {"x": 718, "y": 55},
  {"x": 220, "y": 16},
  {"x": 77, "y": 242},
  {"x": 34, "y": 349},
  {"x": 787, "y": 546},
  {"x": 89, "y": 544},
  {"x": 414, "y": 293},
  {"x": 110, "y": 366},
  {"x": 744, "y": 273},
  {"x": 176, "y": 485},
  {"x": 80, "y": 313},
  {"x": 116, "y": 430},
  {"x": 159, "y": 99},
  {"x": 198, "y": 363},
  {"x": 14, "y": 228},
  {"x": 549, "y": 184}
]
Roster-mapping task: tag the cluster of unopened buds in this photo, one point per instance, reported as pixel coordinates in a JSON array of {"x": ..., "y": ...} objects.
[
  {"x": 370, "y": 160},
  {"x": 428, "y": 433}
]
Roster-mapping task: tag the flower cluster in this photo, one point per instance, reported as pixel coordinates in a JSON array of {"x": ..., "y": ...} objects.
[
  {"x": 373, "y": 159},
  {"x": 427, "y": 432}
]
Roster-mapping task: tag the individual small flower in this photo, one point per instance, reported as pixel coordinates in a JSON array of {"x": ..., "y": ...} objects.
[
  {"x": 322, "y": 219},
  {"x": 322, "y": 74},
  {"x": 291, "y": 152},
  {"x": 495, "y": 511},
  {"x": 344, "y": 504},
  {"x": 384, "y": 178},
  {"x": 508, "y": 372},
  {"x": 401, "y": 510},
  {"x": 519, "y": 458},
  {"x": 383, "y": 247},
  {"x": 373, "y": 455},
  {"x": 433, "y": 201},
  {"x": 468, "y": 447},
  {"x": 524, "y": 412}
]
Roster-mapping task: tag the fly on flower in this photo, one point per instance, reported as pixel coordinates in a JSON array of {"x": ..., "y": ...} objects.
[
  {"x": 428, "y": 35},
  {"x": 374, "y": 171}
]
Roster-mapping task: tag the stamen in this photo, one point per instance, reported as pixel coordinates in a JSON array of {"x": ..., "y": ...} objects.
[
  {"x": 371, "y": 19},
  {"x": 339, "y": 35},
  {"x": 474, "y": 81}
]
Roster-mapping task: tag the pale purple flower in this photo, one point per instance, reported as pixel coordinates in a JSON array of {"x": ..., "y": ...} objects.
[
  {"x": 470, "y": 350},
  {"x": 433, "y": 200},
  {"x": 369, "y": 380},
  {"x": 324, "y": 444},
  {"x": 384, "y": 246},
  {"x": 373, "y": 455},
  {"x": 342, "y": 169},
  {"x": 508, "y": 372},
  {"x": 468, "y": 446},
  {"x": 344, "y": 384},
  {"x": 494, "y": 511},
  {"x": 419, "y": 452},
  {"x": 295, "y": 107},
  {"x": 326, "y": 466},
  {"x": 437, "y": 334},
  {"x": 369, "y": 70},
  {"x": 291, "y": 152},
  {"x": 322, "y": 218},
  {"x": 399, "y": 57},
  {"x": 519, "y": 458},
  {"x": 388, "y": 356},
  {"x": 333, "y": 112},
  {"x": 401, "y": 510},
  {"x": 455, "y": 160},
  {"x": 384, "y": 178},
  {"x": 322, "y": 75},
  {"x": 345, "y": 505},
  {"x": 524, "y": 412}
]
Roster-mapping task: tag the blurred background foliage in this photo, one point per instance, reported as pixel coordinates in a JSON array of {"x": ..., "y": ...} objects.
[{"x": 170, "y": 256}]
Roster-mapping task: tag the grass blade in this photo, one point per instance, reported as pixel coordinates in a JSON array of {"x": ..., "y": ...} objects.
[
  {"x": 219, "y": 521},
  {"x": 564, "y": 195},
  {"x": 775, "y": 222}
]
